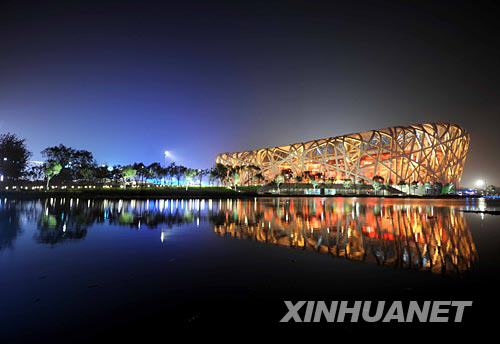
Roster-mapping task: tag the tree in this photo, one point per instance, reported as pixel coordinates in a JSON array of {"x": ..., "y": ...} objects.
[
  {"x": 448, "y": 188},
  {"x": 102, "y": 173},
  {"x": 82, "y": 164},
  {"x": 52, "y": 169},
  {"x": 88, "y": 173},
  {"x": 155, "y": 170},
  {"x": 14, "y": 156},
  {"x": 201, "y": 173},
  {"x": 142, "y": 172},
  {"x": 179, "y": 172},
  {"x": 170, "y": 172},
  {"x": 234, "y": 175},
  {"x": 438, "y": 188},
  {"x": 75, "y": 163},
  {"x": 219, "y": 172},
  {"x": 60, "y": 154},
  {"x": 377, "y": 186},
  {"x": 128, "y": 173},
  {"x": 189, "y": 175},
  {"x": 116, "y": 174}
]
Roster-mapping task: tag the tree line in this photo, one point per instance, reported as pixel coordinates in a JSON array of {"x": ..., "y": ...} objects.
[{"x": 64, "y": 165}]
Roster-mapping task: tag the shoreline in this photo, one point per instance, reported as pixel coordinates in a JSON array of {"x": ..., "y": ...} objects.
[{"x": 190, "y": 194}]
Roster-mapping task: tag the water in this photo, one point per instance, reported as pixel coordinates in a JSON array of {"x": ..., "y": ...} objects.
[{"x": 76, "y": 268}]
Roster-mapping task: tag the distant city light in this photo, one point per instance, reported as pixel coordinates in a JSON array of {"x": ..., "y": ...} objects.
[{"x": 480, "y": 183}]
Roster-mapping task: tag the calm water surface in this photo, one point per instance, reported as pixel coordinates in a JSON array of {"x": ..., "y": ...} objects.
[{"x": 90, "y": 267}]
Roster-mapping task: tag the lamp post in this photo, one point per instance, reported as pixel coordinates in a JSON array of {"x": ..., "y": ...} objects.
[{"x": 167, "y": 156}]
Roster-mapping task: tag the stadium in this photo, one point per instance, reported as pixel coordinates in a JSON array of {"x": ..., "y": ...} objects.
[{"x": 421, "y": 153}]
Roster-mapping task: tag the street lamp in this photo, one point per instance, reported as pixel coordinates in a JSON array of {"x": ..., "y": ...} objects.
[{"x": 167, "y": 156}]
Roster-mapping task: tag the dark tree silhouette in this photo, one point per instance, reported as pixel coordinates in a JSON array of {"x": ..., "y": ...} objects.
[{"x": 14, "y": 156}]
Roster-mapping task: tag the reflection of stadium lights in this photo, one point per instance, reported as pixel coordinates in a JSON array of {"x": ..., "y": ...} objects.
[{"x": 480, "y": 183}]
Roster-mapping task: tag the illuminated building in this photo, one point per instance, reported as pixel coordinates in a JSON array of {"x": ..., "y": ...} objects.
[{"x": 423, "y": 153}]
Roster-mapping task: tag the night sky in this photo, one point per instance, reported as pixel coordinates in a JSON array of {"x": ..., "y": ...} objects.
[{"x": 129, "y": 79}]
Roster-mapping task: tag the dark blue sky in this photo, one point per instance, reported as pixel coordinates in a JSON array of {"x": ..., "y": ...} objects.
[{"x": 129, "y": 79}]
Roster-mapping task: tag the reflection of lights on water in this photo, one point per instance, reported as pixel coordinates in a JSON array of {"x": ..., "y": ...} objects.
[
  {"x": 197, "y": 222},
  {"x": 162, "y": 236},
  {"x": 64, "y": 227}
]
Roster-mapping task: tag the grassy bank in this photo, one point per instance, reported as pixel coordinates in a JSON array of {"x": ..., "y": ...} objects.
[
  {"x": 137, "y": 193},
  {"x": 178, "y": 192}
]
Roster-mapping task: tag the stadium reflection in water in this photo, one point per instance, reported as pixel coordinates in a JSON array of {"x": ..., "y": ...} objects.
[
  {"x": 412, "y": 234},
  {"x": 388, "y": 233}
]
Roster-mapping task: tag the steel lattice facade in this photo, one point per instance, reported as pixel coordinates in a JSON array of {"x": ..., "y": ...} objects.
[{"x": 430, "y": 152}]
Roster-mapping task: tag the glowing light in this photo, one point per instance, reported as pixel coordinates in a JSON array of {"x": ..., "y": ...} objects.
[{"x": 480, "y": 183}]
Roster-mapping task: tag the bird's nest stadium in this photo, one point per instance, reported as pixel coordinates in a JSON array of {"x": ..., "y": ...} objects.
[{"x": 422, "y": 153}]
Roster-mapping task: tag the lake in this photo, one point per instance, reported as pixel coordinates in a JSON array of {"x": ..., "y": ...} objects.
[{"x": 78, "y": 268}]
